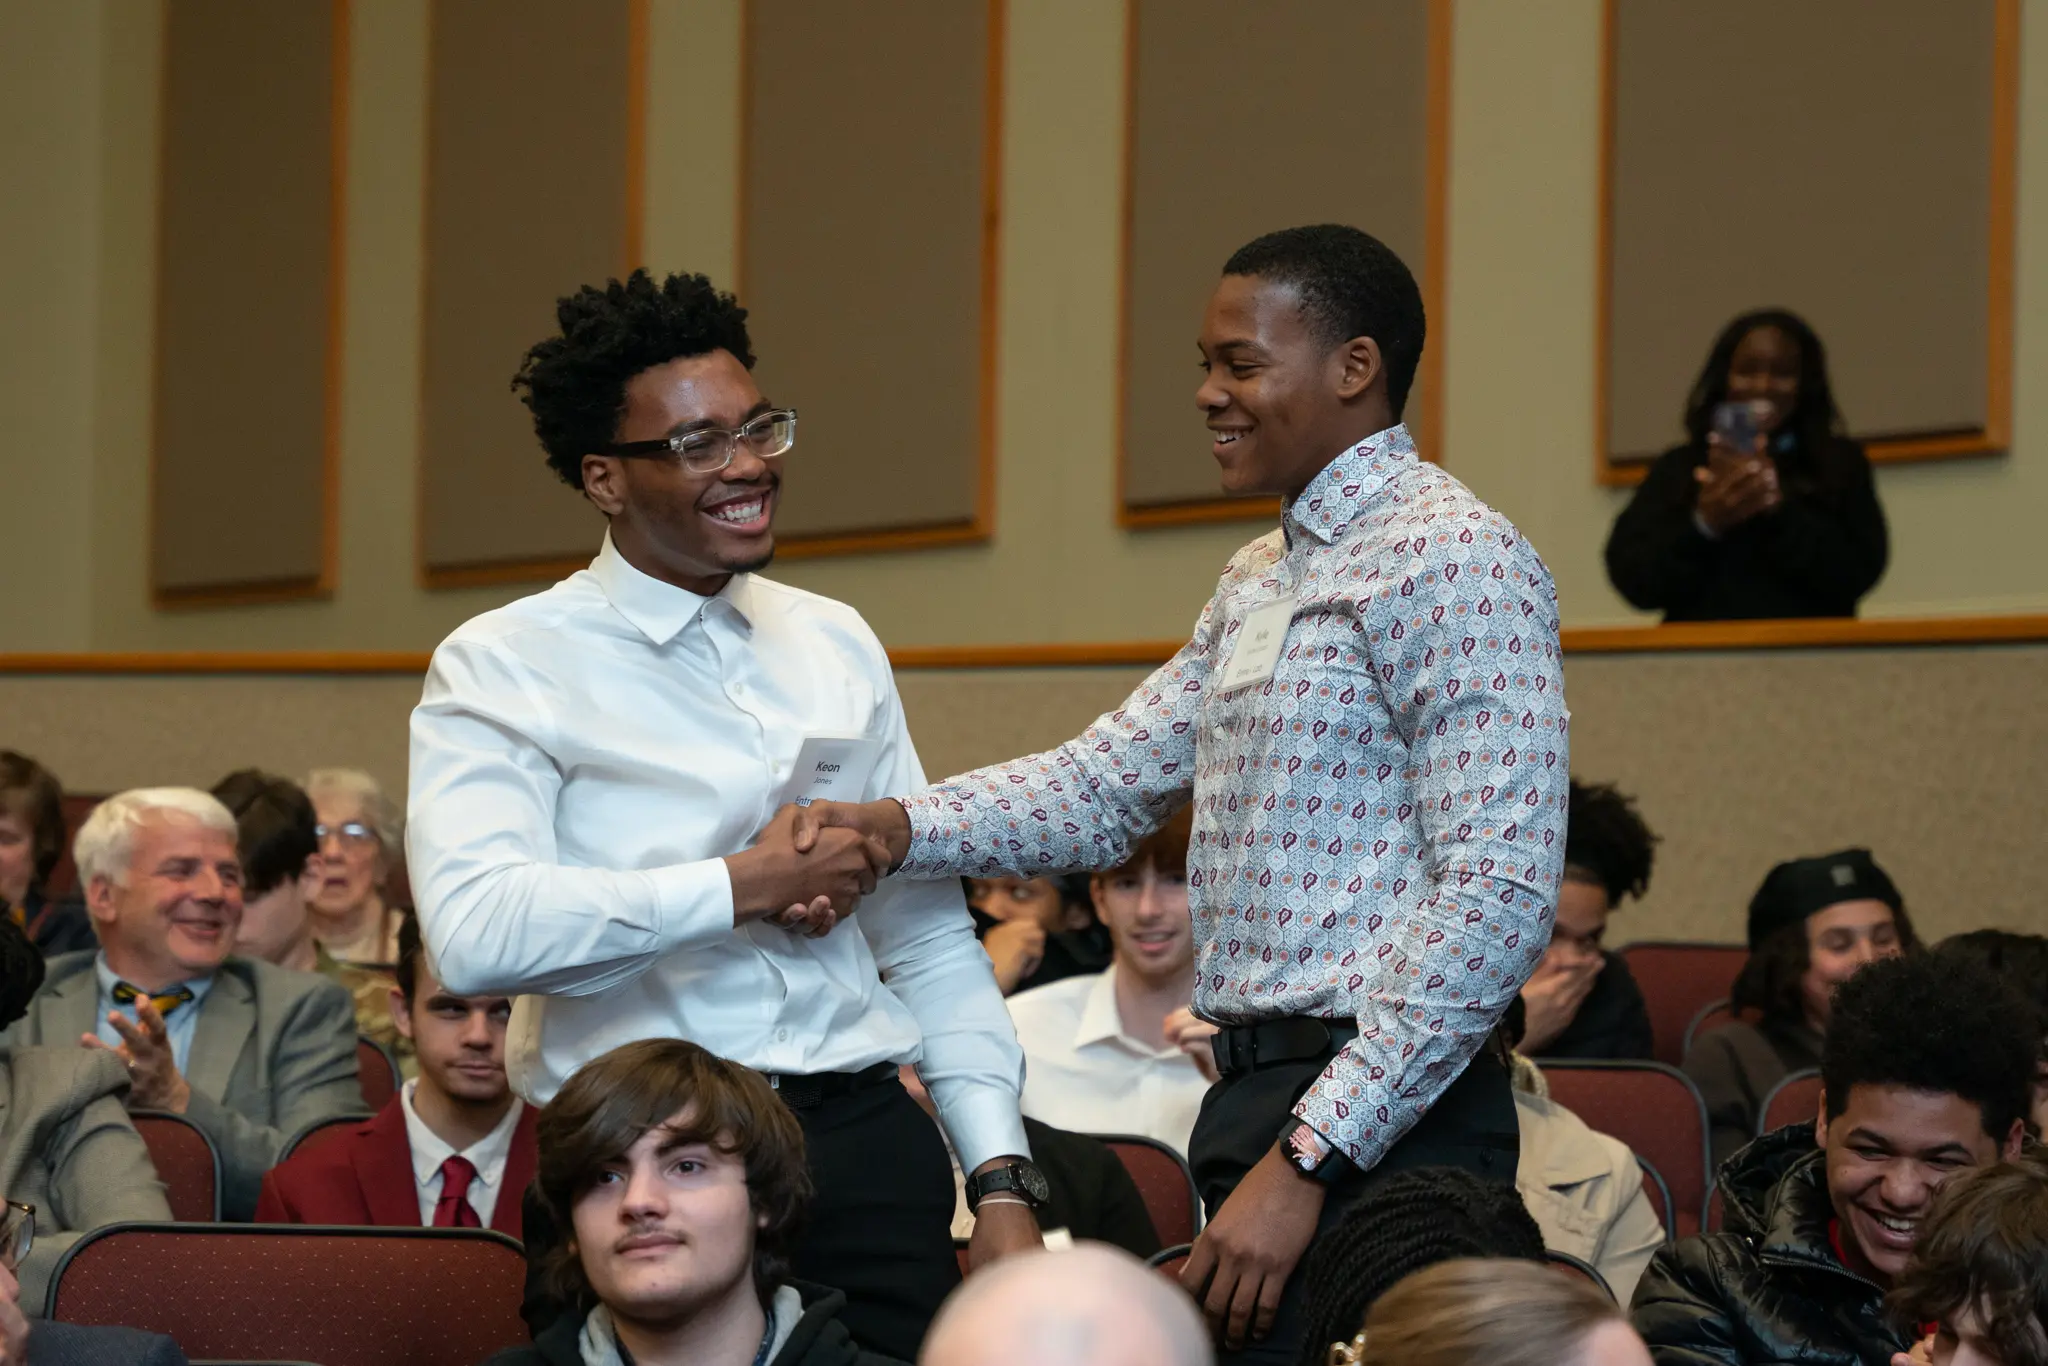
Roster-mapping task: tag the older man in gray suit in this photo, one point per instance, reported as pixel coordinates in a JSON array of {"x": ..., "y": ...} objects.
[{"x": 249, "y": 1052}]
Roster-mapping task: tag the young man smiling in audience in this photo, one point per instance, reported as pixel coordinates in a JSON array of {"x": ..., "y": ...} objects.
[{"x": 1926, "y": 1073}]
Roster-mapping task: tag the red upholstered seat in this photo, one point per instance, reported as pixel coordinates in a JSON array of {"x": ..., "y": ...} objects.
[
  {"x": 1163, "y": 1180},
  {"x": 185, "y": 1161},
  {"x": 1676, "y": 980},
  {"x": 1795, "y": 1100},
  {"x": 1659, "y": 1192},
  {"x": 291, "y": 1292},
  {"x": 318, "y": 1132},
  {"x": 1654, "y": 1109},
  {"x": 377, "y": 1073},
  {"x": 1168, "y": 1261},
  {"x": 1584, "y": 1270}
]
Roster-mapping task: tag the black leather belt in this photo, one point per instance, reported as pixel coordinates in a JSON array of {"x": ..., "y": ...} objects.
[
  {"x": 809, "y": 1090},
  {"x": 1298, "y": 1038}
]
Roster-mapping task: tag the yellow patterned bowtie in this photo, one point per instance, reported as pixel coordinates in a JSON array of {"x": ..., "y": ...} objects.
[{"x": 164, "y": 1001}]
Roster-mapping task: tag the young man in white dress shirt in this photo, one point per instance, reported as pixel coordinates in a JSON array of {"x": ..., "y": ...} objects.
[{"x": 593, "y": 769}]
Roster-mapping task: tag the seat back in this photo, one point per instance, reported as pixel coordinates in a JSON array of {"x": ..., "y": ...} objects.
[
  {"x": 1676, "y": 980},
  {"x": 301, "y": 1292},
  {"x": 1711, "y": 1017},
  {"x": 1794, "y": 1100},
  {"x": 377, "y": 1073},
  {"x": 186, "y": 1162},
  {"x": 1659, "y": 1192},
  {"x": 1168, "y": 1261},
  {"x": 1575, "y": 1266},
  {"x": 318, "y": 1132},
  {"x": 1654, "y": 1109},
  {"x": 1165, "y": 1183}
]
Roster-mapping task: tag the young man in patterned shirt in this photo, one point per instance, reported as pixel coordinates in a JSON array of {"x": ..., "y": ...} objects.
[{"x": 1370, "y": 723}]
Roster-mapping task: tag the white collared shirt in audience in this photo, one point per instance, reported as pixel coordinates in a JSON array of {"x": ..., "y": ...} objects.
[
  {"x": 488, "y": 1155},
  {"x": 583, "y": 759},
  {"x": 1082, "y": 1072}
]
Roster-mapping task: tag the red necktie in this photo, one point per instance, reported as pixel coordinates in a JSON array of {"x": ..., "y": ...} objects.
[{"x": 453, "y": 1210}]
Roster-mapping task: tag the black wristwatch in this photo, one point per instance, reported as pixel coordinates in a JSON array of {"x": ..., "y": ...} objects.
[
  {"x": 1017, "y": 1176},
  {"x": 1311, "y": 1155}
]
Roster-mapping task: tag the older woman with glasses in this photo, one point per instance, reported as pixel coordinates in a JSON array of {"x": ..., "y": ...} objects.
[
  {"x": 360, "y": 843},
  {"x": 70, "y": 1159}
]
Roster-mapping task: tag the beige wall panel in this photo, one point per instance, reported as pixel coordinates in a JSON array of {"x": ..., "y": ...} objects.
[
  {"x": 529, "y": 195},
  {"x": 1830, "y": 156},
  {"x": 866, "y": 254},
  {"x": 245, "y": 290},
  {"x": 1247, "y": 118}
]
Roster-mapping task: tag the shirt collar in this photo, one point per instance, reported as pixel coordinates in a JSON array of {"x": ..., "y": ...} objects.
[
  {"x": 1335, "y": 497},
  {"x": 660, "y": 611},
  {"x": 1101, "y": 1021},
  {"x": 198, "y": 986},
  {"x": 429, "y": 1150}
]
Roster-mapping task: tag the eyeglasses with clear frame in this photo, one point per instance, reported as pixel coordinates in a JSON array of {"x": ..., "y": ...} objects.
[
  {"x": 349, "y": 832},
  {"x": 707, "y": 450},
  {"x": 17, "y": 1233}
]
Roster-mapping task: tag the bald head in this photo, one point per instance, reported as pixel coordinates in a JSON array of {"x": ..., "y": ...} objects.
[{"x": 1093, "y": 1306}]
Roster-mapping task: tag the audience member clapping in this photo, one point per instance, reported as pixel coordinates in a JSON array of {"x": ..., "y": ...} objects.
[
  {"x": 2022, "y": 960},
  {"x": 360, "y": 844},
  {"x": 1978, "y": 1278},
  {"x": 1927, "y": 1073},
  {"x": 248, "y": 1051},
  {"x": 455, "y": 1147},
  {"x": 1035, "y": 930},
  {"x": 680, "y": 1179},
  {"x": 1582, "y": 1001},
  {"x": 31, "y": 846},
  {"x": 1099, "y": 1058},
  {"x": 1812, "y": 924},
  {"x": 1489, "y": 1312},
  {"x": 1092, "y": 1306}
]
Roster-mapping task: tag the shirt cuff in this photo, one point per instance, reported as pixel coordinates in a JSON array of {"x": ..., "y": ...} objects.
[
  {"x": 984, "y": 1123},
  {"x": 692, "y": 902}
]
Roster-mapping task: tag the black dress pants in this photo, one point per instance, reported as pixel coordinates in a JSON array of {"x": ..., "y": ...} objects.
[
  {"x": 880, "y": 1225},
  {"x": 1471, "y": 1125}
]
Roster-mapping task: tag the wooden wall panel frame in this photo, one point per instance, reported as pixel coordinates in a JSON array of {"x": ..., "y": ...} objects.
[
  {"x": 980, "y": 526},
  {"x": 1996, "y": 435},
  {"x": 540, "y": 568},
  {"x": 321, "y": 584},
  {"x": 1436, "y": 222}
]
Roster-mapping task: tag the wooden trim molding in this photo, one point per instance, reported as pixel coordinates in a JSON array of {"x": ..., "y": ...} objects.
[
  {"x": 1995, "y": 437},
  {"x": 1581, "y": 640}
]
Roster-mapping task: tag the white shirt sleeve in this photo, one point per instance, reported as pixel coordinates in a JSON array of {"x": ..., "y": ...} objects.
[
  {"x": 498, "y": 915},
  {"x": 923, "y": 942}
]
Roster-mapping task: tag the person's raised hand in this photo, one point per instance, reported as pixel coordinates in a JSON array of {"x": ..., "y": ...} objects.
[
  {"x": 1734, "y": 486},
  {"x": 145, "y": 1049},
  {"x": 883, "y": 820},
  {"x": 809, "y": 891},
  {"x": 1191, "y": 1036},
  {"x": 1241, "y": 1261},
  {"x": 1015, "y": 948},
  {"x": 1920, "y": 1354},
  {"x": 1552, "y": 997}
]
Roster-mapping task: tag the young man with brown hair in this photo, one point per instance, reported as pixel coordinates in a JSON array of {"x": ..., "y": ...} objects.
[{"x": 680, "y": 1180}]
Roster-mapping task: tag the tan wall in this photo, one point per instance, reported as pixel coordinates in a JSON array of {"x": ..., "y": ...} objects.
[
  {"x": 76, "y": 235},
  {"x": 1929, "y": 756}
]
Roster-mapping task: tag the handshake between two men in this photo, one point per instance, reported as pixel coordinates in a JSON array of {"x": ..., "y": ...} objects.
[{"x": 810, "y": 867}]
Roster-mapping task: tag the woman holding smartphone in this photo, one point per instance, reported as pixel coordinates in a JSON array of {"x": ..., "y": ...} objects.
[{"x": 1767, "y": 510}]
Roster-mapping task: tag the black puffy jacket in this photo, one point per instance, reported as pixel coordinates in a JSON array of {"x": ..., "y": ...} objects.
[{"x": 1768, "y": 1287}]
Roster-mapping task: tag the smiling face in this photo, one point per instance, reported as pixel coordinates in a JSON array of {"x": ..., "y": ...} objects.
[
  {"x": 1279, "y": 400},
  {"x": 175, "y": 914},
  {"x": 667, "y": 1228},
  {"x": 692, "y": 530},
  {"x": 1888, "y": 1152},
  {"x": 1146, "y": 912},
  {"x": 460, "y": 1039},
  {"x": 1765, "y": 366},
  {"x": 1840, "y": 939}
]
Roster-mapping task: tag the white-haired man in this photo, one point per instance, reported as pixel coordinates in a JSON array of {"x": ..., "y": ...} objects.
[{"x": 249, "y": 1052}]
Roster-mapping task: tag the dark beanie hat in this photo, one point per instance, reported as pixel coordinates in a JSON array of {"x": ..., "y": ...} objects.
[{"x": 1795, "y": 890}]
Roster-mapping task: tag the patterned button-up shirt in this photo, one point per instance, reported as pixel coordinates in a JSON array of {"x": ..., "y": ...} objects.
[{"x": 1378, "y": 828}]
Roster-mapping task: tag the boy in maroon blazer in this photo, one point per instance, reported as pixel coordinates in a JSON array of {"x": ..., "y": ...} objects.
[{"x": 454, "y": 1148}]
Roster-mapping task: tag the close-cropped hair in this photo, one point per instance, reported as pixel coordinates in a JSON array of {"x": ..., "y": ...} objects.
[
  {"x": 380, "y": 813},
  {"x": 1351, "y": 284},
  {"x": 1814, "y": 419},
  {"x": 1480, "y": 1311},
  {"x": 106, "y": 842},
  {"x": 32, "y": 795},
  {"x": 574, "y": 383},
  {"x": 612, "y": 1101},
  {"x": 1771, "y": 977},
  {"x": 2021, "y": 959},
  {"x": 1166, "y": 848},
  {"x": 1605, "y": 838},
  {"x": 1983, "y": 1249},
  {"x": 1934, "y": 1022},
  {"x": 274, "y": 824}
]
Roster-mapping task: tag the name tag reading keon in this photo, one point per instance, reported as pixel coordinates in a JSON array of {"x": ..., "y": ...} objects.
[{"x": 1259, "y": 642}]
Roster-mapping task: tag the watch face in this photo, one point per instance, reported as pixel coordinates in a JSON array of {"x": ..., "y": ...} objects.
[{"x": 1032, "y": 1181}]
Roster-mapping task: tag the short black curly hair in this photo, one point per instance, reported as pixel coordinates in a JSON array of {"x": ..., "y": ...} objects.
[
  {"x": 1935, "y": 1021},
  {"x": 1351, "y": 285},
  {"x": 1605, "y": 837},
  {"x": 575, "y": 383}
]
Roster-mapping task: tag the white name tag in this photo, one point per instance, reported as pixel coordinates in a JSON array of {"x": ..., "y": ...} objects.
[
  {"x": 832, "y": 767},
  {"x": 1259, "y": 642}
]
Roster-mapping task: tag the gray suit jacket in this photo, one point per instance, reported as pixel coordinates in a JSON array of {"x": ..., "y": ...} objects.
[
  {"x": 68, "y": 1148},
  {"x": 273, "y": 1051}
]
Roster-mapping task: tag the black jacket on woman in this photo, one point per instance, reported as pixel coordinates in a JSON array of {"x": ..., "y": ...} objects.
[
  {"x": 1815, "y": 555},
  {"x": 1768, "y": 1287}
]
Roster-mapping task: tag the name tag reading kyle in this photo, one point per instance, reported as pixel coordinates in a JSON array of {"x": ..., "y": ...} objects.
[
  {"x": 1259, "y": 642},
  {"x": 832, "y": 768}
]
